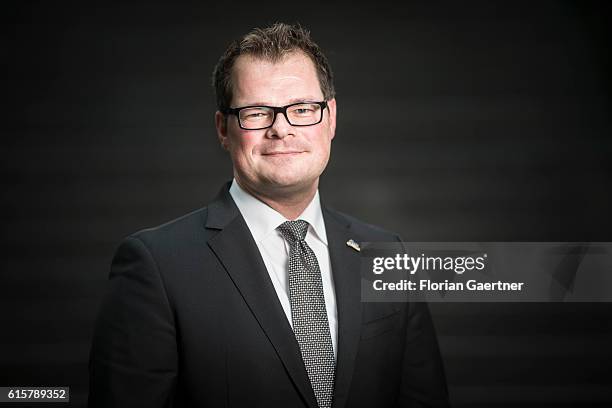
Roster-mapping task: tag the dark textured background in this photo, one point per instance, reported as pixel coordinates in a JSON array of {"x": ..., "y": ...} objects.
[{"x": 478, "y": 122}]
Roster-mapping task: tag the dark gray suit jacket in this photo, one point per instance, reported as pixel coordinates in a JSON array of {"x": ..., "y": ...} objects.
[{"x": 191, "y": 319}]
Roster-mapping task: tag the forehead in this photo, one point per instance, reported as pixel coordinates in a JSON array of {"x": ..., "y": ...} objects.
[{"x": 260, "y": 81}]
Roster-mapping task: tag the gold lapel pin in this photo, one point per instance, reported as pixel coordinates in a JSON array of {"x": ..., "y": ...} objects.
[{"x": 353, "y": 245}]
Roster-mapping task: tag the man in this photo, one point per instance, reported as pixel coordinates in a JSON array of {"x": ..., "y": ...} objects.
[{"x": 254, "y": 301}]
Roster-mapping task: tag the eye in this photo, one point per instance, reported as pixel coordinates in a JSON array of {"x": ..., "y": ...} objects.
[
  {"x": 253, "y": 114},
  {"x": 301, "y": 111}
]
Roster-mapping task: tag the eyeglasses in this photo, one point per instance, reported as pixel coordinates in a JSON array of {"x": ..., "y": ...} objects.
[{"x": 263, "y": 117}]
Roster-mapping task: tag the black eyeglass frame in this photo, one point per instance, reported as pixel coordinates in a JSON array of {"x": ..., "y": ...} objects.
[{"x": 276, "y": 110}]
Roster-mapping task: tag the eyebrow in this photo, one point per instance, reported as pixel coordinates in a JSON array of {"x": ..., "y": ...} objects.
[{"x": 291, "y": 101}]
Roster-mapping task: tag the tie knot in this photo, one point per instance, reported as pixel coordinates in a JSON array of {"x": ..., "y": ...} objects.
[{"x": 293, "y": 231}]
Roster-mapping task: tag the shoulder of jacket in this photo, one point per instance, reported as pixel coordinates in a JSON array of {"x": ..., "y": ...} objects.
[
  {"x": 364, "y": 229},
  {"x": 184, "y": 225}
]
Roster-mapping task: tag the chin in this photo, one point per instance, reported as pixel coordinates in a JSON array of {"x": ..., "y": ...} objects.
[
  {"x": 291, "y": 181},
  {"x": 287, "y": 181}
]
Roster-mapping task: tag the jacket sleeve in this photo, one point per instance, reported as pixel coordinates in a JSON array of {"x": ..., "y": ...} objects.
[
  {"x": 133, "y": 359},
  {"x": 423, "y": 382}
]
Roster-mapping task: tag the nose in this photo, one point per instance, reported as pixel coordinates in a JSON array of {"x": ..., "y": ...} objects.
[{"x": 280, "y": 127}]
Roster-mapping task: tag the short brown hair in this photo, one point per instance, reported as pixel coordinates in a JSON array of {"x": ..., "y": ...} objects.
[{"x": 272, "y": 44}]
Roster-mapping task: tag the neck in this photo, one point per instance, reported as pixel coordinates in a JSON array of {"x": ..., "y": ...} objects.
[{"x": 289, "y": 202}]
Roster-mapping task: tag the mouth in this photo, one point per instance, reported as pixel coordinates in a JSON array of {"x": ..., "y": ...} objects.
[{"x": 283, "y": 153}]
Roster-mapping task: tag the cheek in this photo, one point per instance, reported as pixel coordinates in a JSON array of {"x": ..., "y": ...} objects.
[
  {"x": 322, "y": 142},
  {"x": 244, "y": 147}
]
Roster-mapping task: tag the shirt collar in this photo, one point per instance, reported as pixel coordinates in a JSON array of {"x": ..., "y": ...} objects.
[{"x": 263, "y": 220}]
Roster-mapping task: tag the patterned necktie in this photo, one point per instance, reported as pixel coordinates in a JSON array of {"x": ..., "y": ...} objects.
[{"x": 308, "y": 312}]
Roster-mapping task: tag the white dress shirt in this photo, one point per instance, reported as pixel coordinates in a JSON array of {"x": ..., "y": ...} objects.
[{"x": 262, "y": 221}]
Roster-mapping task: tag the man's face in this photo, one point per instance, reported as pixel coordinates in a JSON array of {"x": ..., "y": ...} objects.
[{"x": 282, "y": 159}]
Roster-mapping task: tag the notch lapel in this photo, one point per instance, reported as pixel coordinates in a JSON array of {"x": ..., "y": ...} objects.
[
  {"x": 248, "y": 272},
  {"x": 345, "y": 265}
]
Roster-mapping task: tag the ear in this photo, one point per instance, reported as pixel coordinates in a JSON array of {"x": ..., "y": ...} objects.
[
  {"x": 331, "y": 104},
  {"x": 221, "y": 125}
]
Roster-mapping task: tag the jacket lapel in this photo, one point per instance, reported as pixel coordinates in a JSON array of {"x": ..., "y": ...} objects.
[
  {"x": 248, "y": 272},
  {"x": 345, "y": 264}
]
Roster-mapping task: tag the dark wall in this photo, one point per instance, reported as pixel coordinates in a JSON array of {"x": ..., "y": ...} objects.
[{"x": 485, "y": 121}]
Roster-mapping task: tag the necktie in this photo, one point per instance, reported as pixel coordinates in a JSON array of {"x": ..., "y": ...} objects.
[{"x": 308, "y": 312}]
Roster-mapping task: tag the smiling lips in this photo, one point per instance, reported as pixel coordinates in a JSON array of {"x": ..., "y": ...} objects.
[{"x": 282, "y": 153}]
